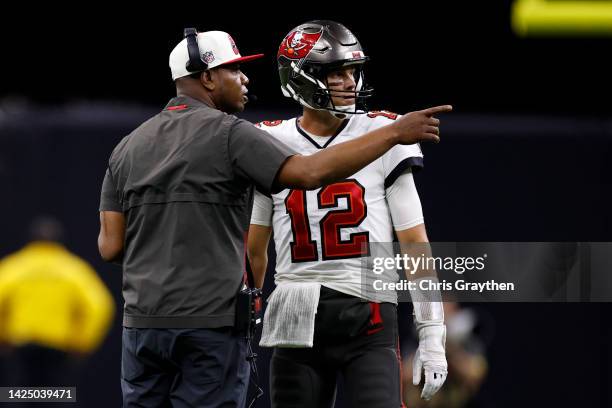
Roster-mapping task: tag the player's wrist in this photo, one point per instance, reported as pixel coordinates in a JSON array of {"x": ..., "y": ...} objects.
[
  {"x": 431, "y": 330},
  {"x": 422, "y": 326},
  {"x": 427, "y": 304}
]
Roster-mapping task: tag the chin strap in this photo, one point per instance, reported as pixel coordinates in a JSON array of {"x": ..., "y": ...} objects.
[{"x": 344, "y": 112}]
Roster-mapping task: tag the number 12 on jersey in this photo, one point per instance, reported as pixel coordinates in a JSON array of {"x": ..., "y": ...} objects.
[{"x": 303, "y": 248}]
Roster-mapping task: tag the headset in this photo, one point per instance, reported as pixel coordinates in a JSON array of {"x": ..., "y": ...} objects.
[{"x": 195, "y": 63}]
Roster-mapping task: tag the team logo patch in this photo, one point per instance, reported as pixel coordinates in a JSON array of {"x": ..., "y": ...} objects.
[
  {"x": 354, "y": 54},
  {"x": 298, "y": 44},
  {"x": 233, "y": 43},
  {"x": 208, "y": 57}
]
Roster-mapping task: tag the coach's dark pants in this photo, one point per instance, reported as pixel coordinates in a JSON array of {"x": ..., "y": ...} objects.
[{"x": 183, "y": 368}]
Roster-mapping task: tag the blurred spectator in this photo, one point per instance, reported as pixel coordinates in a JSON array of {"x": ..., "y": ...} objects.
[
  {"x": 467, "y": 364},
  {"x": 53, "y": 308}
]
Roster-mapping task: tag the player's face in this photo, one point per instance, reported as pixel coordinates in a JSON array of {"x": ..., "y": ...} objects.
[
  {"x": 341, "y": 81},
  {"x": 231, "y": 88}
]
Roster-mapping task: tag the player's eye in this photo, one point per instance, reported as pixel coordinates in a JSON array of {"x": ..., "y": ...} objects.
[{"x": 335, "y": 77}]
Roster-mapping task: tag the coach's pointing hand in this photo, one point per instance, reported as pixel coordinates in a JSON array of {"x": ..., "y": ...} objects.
[{"x": 420, "y": 126}]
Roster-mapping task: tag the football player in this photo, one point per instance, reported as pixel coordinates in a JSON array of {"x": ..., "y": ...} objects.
[{"x": 318, "y": 318}]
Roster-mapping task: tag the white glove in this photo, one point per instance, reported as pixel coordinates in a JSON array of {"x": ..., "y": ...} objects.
[{"x": 432, "y": 357}]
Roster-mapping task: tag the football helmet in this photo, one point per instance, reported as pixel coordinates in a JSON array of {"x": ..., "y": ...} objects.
[{"x": 308, "y": 53}]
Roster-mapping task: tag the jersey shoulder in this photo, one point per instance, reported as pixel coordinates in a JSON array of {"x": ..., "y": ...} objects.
[
  {"x": 375, "y": 119},
  {"x": 269, "y": 123},
  {"x": 276, "y": 127},
  {"x": 390, "y": 116}
]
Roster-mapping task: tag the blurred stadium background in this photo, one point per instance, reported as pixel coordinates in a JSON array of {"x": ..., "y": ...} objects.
[{"x": 526, "y": 156}]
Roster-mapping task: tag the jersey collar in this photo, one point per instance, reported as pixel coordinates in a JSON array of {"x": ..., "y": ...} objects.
[{"x": 329, "y": 140}]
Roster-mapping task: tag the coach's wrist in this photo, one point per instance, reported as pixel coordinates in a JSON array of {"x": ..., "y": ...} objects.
[{"x": 392, "y": 135}]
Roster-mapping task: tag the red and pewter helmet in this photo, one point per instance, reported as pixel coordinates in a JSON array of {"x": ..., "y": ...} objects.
[{"x": 308, "y": 53}]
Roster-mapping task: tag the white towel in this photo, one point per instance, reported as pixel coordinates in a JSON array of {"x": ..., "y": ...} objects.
[{"x": 290, "y": 315}]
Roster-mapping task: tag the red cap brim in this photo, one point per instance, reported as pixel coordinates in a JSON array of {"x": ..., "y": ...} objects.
[{"x": 246, "y": 58}]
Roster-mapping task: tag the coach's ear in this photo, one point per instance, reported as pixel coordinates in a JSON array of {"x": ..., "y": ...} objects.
[{"x": 207, "y": 79}]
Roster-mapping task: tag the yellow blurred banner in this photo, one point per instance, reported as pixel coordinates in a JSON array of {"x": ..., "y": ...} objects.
[{"x": 560, "y": 17}]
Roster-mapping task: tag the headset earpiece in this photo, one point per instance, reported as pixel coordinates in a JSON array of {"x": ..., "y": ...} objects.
[{"x": 195, "y": 62}]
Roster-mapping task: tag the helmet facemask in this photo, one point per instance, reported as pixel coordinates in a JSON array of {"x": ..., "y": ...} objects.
[
  {"x": 314, "y": 92},
  {"x": 359, "y": 95}
]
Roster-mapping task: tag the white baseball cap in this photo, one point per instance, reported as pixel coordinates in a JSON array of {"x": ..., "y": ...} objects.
[{"x": 216, "y": 48}]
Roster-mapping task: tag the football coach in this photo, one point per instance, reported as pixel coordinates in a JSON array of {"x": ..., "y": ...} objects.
[{"x": 174, "y": 208}]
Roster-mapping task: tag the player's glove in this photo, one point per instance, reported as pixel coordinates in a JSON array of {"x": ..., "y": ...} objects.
[{"x": 430, "y": 356}]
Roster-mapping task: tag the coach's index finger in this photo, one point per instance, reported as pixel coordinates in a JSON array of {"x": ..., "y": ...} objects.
[{"x": 437, "y": 109}]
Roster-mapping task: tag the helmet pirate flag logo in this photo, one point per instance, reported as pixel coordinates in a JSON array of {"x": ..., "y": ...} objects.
[{"x": 298, "y": 44}]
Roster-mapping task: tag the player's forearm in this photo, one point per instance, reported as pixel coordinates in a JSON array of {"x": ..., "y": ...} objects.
[
  {"x": 415, "y": 243},
  {"x": 337, "y": 162},
  {"x": 257, "y": 251},
  {"x": 424, "y": 269},
  {"x": 258, "y": 260},
  {"x": 427, "y": 304},
  {"x": 259, "y": 263}
]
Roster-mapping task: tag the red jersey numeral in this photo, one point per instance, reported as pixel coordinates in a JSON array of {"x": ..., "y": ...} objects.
[
  {"x": 332, "y": 245},
  {"x": 303, "y": 248}
]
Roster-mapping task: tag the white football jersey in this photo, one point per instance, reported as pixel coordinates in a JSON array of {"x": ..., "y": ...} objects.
[{"x": 322, "y": 235}]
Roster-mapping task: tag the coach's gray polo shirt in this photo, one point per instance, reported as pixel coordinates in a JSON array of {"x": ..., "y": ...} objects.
[{"x": 184, "y": 180}]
